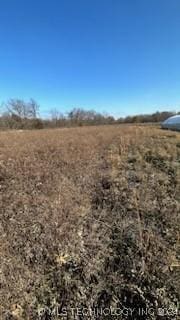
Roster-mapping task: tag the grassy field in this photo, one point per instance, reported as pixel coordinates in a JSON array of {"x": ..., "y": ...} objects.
[{"x": 89, "y": 220}]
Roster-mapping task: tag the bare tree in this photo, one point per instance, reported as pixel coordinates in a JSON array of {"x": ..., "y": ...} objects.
[
  {"x": 16, "y": 107},
  {"x": 54, "y": 114},
  {"x": 32, "y": 109},
  {"x": 22, "y": 109},
  {"x": 57, "y": 118}
]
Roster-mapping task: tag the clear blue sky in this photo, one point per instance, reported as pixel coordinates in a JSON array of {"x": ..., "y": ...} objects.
[{"x": 119, "y": 56}]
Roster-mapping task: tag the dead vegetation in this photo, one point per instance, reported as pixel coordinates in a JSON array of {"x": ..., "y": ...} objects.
[{"x": 89, "y": 219}]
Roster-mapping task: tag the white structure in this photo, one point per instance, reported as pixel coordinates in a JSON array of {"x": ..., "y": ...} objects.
[{"x": 172, "y": 123}]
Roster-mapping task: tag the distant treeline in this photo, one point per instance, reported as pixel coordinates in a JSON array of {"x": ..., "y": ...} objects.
[{"x": 19, "y": 114}]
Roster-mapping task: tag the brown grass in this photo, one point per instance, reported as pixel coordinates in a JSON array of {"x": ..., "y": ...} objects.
[{"x": 89, "y": 219}]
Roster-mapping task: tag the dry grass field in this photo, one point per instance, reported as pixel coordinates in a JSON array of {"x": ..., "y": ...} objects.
[{"x": 89, "y": 220}]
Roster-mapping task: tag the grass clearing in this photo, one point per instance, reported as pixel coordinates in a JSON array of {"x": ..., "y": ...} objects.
[{"x": 89, "y": 218}]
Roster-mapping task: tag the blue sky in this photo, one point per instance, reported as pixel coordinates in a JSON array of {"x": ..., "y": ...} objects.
[{"x": 119, "y": 56}]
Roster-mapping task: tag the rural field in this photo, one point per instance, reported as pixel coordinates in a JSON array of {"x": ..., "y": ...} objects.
[{"x": 89, "y": 223}]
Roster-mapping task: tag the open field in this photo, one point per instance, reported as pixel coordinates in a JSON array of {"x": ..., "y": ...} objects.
[{"x": 89, "y": 218}]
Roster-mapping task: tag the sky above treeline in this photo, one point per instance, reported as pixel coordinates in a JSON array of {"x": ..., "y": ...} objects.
[{"x": 118, "y": 56}]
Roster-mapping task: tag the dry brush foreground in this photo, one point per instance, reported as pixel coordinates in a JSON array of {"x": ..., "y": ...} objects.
[{"x": 89, "y": 219}]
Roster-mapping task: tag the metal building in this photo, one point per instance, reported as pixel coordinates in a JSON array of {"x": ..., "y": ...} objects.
[{"x": 172, "y": 123}]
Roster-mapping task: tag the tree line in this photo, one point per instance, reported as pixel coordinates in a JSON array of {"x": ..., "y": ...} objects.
[{"x": 20, "y": 114}]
